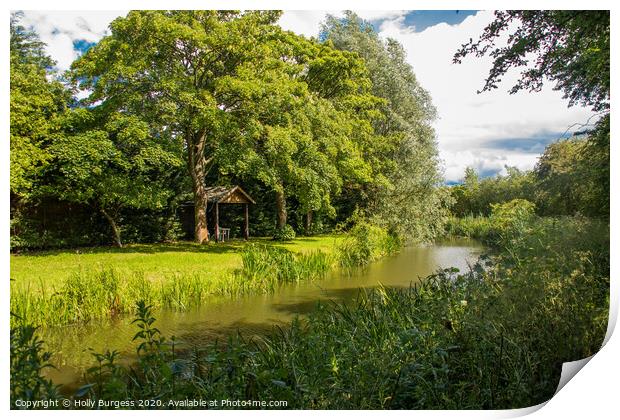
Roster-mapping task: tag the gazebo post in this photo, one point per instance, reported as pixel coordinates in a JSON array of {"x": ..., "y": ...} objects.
[
  {"x": 217, "y": 222},
  {"x": 246, "y": 229}
]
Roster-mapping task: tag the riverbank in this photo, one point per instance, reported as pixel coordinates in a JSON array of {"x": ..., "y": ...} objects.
[
  {"x": 59, "y": 287},
  {"x": 494, "y": 337},
  {"x": 65, "y": 287},
  {"x": 253, "y": 315}
]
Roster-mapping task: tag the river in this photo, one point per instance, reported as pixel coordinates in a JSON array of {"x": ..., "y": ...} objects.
[{"x": 250, "y": 315}]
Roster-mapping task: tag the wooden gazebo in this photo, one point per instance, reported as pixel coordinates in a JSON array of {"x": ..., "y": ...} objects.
[{"x": 230, "y": 195}]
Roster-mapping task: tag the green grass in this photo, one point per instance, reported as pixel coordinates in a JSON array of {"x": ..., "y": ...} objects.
[
  {"x": 61, "y": 287},
  {"x": 44, "y": 270}
]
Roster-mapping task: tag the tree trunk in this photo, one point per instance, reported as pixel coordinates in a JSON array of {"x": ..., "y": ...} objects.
[
  {"x": 115, "y": 229},
  {"x": 281, "y": 209},
  {"x": 308, "y": 222},
  {"x": 196, "y": 164},
  {"x": 201, "y": 230}
]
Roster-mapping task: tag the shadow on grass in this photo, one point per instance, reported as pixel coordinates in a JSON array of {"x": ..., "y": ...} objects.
[
  {"x": 234, "y": 245},
  {"x": 210, "y": 248}
]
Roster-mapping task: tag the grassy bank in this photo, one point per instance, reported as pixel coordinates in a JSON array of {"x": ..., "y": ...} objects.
[
  {"x": 61, "y": 287},
  {"x": 491, "y": 338},
  {"x": 64, "y": 287},
  {"x": 157, "y": 261}
]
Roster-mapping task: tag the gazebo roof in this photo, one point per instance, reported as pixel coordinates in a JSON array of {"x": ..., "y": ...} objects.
[{"x": 232, "y": 195}]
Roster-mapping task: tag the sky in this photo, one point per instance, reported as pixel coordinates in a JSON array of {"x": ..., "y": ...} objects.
[{"x": 485, "y": 131}]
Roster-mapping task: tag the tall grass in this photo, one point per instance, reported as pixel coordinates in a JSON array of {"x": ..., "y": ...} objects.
[
  {"x": 469, "y": 226},
  {"x": 270, "y": 265}
]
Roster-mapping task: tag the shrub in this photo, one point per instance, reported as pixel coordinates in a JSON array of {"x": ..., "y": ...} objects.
[
  {"x": 28, "y": 359},
  {"x": 512, "y": 218},
  {"x": 366, "y": 243},
  {"x": 287, "y": 233},
  {"x": 507, "y": 221}
]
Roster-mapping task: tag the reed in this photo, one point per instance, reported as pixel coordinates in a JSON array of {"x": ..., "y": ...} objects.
[{"x": 271, "y": 265}]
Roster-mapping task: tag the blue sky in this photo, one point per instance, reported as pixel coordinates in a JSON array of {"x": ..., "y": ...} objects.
[
  {"x": 423, "y": 19},
  {"x": 486, "y": 131}
]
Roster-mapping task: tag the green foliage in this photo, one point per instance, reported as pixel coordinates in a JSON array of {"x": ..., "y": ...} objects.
[
  {"x": 305, "y": 123},
  {"x": 28, "y": 359},
  {"x": 571, "y": 177},
  {"x": 403, "y": 195},
  {"x": 37, "y": 101},
  {"x": 120, "y": 166},
  {"x": 507, "y": 222},
  {"x": 475, "y": 196},
  {"x": 326, "y": 126},
  {"x": 366, "y": 243},
  {"x": 287, "y": 233},
  {"x": 218, "y": 83},
  {"x": 107, "y": 377},
  {"x": 513, "y": 218},
  {"x": 469, "y": 226}
]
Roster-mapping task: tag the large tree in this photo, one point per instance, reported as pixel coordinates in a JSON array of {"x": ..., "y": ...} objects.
[
  {"x": 37, "y": 102},
  {"x": 405, "y": 194},
  {"x": 302, "y": 123},
  {"x": 109, "y": 162},
  {"x": 573, "y": 177},
  {"x": 172, "y": 69}
]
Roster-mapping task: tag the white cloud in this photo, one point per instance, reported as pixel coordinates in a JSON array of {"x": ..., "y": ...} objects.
[
  {"x": 304, "y": 22},
  {"x": 468, "y": 121},
  {"x": 308, "y": 22},
  {"x": 58, "y": 29},
  {"x": 380, "y": 14}
]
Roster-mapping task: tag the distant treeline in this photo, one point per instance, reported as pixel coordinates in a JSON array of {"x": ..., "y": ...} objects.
[{"x": 571, "y": 177}]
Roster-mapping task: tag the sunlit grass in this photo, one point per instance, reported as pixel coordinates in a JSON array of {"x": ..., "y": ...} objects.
[
  {"x": 157, "y": 261},
  {"x": 61, "y": 287}
]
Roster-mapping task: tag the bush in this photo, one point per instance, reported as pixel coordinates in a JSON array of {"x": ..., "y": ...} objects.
[
  {"x": 287, "y": 233},
  {"x": 366, "y": 243},
  {"x": 512, "y": 218}
]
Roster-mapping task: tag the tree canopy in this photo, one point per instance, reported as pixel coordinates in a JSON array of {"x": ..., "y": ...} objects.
[
  {"x": 322, "y": 132},
  {"x": 405, "y": 194},
  {"x": 37, "y": 100}
]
